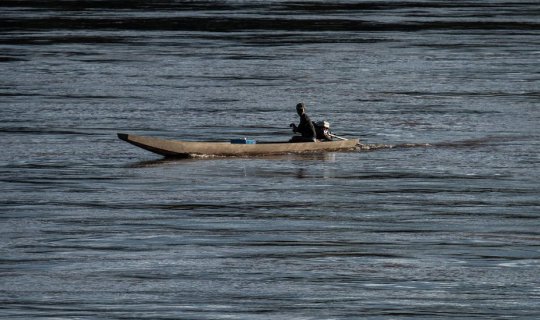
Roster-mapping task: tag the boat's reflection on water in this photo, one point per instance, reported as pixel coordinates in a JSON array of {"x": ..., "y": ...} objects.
[{"x": 309, "y": 156}]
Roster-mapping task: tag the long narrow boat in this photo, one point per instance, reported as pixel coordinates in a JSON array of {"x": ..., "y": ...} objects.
[{"x": 184, "y": 149}]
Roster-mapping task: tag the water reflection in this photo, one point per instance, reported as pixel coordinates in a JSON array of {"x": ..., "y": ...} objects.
[{"x": 325, "y": 157}]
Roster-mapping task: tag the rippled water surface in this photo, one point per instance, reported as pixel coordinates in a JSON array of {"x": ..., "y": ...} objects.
[{"x": 437, "y": 215}]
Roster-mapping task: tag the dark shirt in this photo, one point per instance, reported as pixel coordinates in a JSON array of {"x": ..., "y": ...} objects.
[{"x": 306, "y": 127}]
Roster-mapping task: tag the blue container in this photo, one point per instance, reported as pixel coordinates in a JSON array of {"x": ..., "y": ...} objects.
[{"x": 243, "y": 141}]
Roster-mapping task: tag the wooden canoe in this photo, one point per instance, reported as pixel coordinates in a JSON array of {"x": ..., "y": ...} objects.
[{"x": 184, "y": 149}]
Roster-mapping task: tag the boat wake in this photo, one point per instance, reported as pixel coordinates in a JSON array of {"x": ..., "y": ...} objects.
[
  {"x": 379, "y": 146},
  {"x": 467, "y": 143}
]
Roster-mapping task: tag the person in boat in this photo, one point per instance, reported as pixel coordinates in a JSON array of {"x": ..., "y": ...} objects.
[{"x": 305, "y": 127}]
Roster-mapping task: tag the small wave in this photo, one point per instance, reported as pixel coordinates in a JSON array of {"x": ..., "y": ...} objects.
[
  {"x": 10, "y": 59},
  {"x": 227, "y": 24},
  {"x": 24, "y": 130}
]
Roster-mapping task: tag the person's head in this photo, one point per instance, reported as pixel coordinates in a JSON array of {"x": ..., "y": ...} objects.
[{"x": 300, "y": 108}]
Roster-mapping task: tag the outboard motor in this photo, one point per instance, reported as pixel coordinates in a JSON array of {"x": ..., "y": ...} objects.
[{"x": 322, "y": 129}]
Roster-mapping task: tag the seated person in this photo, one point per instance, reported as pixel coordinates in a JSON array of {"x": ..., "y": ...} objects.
[{"x": 305, "y": 127}]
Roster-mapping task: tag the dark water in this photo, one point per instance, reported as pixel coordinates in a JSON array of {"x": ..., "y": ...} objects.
[{"x": 438, "y": 216}]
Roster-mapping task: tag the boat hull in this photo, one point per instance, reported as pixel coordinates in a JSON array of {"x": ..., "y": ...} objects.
[{"x": 184, "y": 149}]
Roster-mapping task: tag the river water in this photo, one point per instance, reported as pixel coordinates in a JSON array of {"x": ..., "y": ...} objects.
[{"x": 437, "y": 216}]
